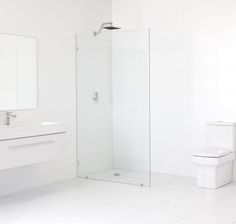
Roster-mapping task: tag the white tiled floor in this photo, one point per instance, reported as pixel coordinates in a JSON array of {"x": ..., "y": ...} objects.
[{"x": 171, "y": 199}]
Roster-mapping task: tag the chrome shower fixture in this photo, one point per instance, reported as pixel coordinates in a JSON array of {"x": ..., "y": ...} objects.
[{"x": 107, "y": 26}]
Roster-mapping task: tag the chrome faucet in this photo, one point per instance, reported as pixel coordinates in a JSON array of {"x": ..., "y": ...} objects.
[{"x": 9, "y": 115}]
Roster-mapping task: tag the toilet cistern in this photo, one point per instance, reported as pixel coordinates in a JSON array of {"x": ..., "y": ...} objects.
[{"x": 8, "y": 117}]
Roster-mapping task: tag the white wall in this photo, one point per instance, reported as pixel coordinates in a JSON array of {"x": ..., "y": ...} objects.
[
  {"x": 193, "y": 51},
  {"x": 54, "y": 22}
]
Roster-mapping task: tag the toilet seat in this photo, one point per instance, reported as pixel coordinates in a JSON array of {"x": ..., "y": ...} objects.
[
  {"x": 213, "y": 156},
  {"x": 213, "y": 153}
]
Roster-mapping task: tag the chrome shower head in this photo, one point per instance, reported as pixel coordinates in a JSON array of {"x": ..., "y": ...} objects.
[{"x": 111, "y": 28}]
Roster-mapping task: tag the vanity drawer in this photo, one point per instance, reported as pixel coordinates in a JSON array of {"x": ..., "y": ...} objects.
[{"x": 30, "y": 150}]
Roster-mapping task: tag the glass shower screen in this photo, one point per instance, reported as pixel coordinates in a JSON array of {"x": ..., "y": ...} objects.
[{"x": 113, "y": 106}]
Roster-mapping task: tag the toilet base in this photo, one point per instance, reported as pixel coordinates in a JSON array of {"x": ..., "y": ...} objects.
[{"x": 213, "y": 177}]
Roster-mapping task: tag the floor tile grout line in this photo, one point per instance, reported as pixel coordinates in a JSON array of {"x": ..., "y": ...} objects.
[
  {"x": 202, "y": 208},
  {"x": 171, "y": 182},
  {"x": 156, "y": 206},
  {"x": 163, "y": 203},
  {"x": 168, "y": 201}
]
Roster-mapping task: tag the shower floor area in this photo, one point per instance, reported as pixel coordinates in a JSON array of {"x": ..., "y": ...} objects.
[{"x": 123, "y": 176}]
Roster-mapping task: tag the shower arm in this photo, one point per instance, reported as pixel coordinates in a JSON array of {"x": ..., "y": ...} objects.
[{"x": 101, "y": 27}]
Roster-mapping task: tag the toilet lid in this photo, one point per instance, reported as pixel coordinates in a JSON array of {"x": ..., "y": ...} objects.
[{"x": 213, "y": 152}]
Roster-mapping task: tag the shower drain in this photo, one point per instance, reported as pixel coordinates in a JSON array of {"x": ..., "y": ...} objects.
[{"x": 116, "y": 174}]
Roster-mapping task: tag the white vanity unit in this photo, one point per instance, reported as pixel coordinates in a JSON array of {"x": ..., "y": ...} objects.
[{"x": 29, "y": 143}]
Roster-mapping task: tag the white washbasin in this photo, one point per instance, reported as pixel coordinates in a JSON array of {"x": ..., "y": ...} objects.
[{"x": 29, "y": 129}]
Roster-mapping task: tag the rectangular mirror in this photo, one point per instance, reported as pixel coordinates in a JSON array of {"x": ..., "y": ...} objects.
[{"x": 18, "y": 72}]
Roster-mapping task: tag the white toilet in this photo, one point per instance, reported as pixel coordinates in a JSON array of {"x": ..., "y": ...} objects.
[{"x": 215, "y": 165}]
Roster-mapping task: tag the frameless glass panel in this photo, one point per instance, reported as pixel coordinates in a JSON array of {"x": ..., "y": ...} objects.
[
  {"x": 94, "y": 103},
  {"x": 130, "y": 72},
  {"x": 113, "y": 106}
]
